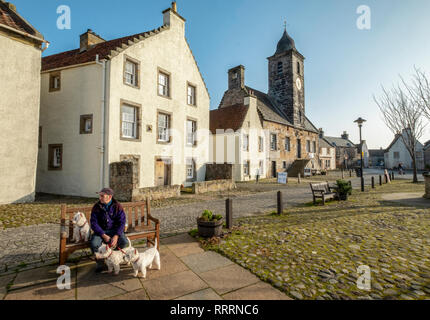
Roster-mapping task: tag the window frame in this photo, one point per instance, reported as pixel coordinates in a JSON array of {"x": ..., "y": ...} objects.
[
  {"x": 260, "y": 144},
  {"x": 193, "y": 164},
  {"x": 194, "y": 132},
  {"x": 82, "y": 122},
  {"x": 169, "y": 127},
  {"x": 51, "y": 155},
  {"x": 138, "y": 114},
  {"x": 137, "y": 72},
  {"x": 287, "y": 145},
  {"x": 169, "y": 83},
  {"x": 52, "y": 76},
  {"x": 276, "y": 142},
  {"x": 191, "y": 85},
  {"x": 245, "y": 145}
]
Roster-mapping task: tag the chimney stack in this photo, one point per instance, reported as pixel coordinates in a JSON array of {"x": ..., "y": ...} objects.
[
  {"x": 236, "y": 77},
  {"x": 321, "y": 132},
  {"x": 89, "y": 39},
  {"x": 174, "y": 8},
  {"x": 345, "y": 136},
  {"x": 11, "y": 6}
]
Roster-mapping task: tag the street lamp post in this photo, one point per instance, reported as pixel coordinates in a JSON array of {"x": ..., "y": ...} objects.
[{"x": 360, "y": 122}]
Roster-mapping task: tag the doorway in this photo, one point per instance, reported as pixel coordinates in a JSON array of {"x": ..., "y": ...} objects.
[
  {"x": 163, "y": 172},
  {"x": 273, "y": 169}
]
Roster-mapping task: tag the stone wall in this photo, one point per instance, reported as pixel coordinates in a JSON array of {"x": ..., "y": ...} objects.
[
  {"x": 219, "y": 171},
  {"x": 156, "y": 193},
  {"x": 213, "y": 186},
  {"x": 124, "y": 178}
]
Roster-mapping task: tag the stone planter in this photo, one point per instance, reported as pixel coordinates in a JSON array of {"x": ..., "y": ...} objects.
[
  {"x": 426, "y": 176},
  {"x": 209, "y": 229}
]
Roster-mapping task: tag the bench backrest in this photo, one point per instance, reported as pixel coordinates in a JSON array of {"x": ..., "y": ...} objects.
[
  {"x": 320, "y": 187},
  {"x": 134, "y": 211}
]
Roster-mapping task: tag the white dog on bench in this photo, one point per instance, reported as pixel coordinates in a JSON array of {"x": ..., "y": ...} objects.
[
  {"x": 81, "y": 228},
  {"x": 140, "y": 261}
]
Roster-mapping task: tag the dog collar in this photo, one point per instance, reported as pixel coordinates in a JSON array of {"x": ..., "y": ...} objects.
[{"x": 83, "y": 224}]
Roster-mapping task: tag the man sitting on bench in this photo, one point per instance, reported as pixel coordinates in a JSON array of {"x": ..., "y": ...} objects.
[{"x": 108, "y": 224}]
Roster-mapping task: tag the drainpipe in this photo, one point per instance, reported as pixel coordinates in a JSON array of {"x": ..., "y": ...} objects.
[{"x": 103, "y": 110}]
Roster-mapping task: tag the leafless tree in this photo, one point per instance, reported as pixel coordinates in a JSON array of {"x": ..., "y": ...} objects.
[{"x": 403, "y": 115}]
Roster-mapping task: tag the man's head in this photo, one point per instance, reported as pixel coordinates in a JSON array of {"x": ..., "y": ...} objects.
[{"x": 105, "y": 195}]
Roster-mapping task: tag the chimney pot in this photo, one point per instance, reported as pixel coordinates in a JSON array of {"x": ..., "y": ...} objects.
[
  {"x": 88, "y": 40},
  {"x": 174, "y": 7}
]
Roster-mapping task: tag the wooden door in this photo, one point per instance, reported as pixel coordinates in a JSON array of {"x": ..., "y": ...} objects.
[{"x": 159, "y": 173}]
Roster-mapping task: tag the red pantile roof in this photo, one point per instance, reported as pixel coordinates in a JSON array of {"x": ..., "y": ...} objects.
[
  {"x": 231, "y": 117},
  {"x": 73, "y": 57},
  {"x": 12, "y": 19}
]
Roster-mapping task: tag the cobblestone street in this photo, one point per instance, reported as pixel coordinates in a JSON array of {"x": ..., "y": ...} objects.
[{"x": 39, "y": 244}]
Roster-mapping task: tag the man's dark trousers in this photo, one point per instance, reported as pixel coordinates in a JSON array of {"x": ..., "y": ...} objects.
[{"x": 97, "y": 241}]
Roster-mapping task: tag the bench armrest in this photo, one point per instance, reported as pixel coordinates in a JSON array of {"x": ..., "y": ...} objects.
[{"x": 153, "y": 219}]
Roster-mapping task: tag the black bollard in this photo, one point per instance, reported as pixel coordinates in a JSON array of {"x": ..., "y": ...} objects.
[
  {"x": 229, "y": 213},
  {"x": 373, "y": 182},
  {"x": 362, "y": 183},
  {"x": 380, "y": 180},
  {"x": 280, "y": 204}
]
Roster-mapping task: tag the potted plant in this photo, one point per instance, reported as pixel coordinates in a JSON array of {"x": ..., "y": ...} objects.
[
  {"x": 343, "y": 189},
  {"x": 209, "y": 225}
]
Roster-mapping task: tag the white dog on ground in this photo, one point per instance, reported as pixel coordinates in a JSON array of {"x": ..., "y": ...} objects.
[
  {"x": 140, "y": 261},
  {"x": 113, "y": 258},
  {"x": 81, "y": 228}
]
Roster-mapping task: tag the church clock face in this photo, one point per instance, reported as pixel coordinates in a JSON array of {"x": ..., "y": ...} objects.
[{"x": 298, "y": 84}]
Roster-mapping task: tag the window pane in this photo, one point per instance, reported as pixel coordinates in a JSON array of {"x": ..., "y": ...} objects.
[{"x": 129, "y": 123}]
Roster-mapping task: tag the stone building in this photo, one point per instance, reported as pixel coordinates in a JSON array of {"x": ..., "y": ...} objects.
[
  {"x": 327, "y": 153},
  {"x": 347, "y": 153},
  {"x": 291, "y": 140},
  {"x": 140, "y": 98},
  {"x": 21, "y": 49},
  {"x": 426, "y": 150}
]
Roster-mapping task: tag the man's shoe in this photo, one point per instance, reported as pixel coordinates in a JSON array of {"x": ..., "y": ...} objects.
[{"x": 101, "y": 266}]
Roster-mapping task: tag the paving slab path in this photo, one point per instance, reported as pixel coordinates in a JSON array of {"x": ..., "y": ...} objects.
[{"x": 187, "y": 273}]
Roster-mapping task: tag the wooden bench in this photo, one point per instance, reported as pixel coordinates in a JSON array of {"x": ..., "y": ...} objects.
[
  {"x": 323, "y": 191},
  {"x": 139, "y": 226}
]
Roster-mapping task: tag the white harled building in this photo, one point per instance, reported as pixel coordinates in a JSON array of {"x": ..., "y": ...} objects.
[{"x": 140, "y": 97}]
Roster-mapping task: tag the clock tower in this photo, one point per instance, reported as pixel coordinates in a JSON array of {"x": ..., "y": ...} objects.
[{"x": 286, "y": 80}]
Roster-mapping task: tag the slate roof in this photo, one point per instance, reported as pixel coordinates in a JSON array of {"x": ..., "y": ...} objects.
[
  {"x": 13, "y": 19},
  {"x": 230, "y": 117},
  {"x": 269, "y": 110},
  {"x": 340, "y": 142},
  {"x": 286, "y": 43},
  {"x": 323, "y": 143}
]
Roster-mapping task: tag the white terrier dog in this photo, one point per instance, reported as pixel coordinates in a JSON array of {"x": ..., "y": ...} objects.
[
  {"x": 113, "y": 258},
  {"x": 141, "y": 261},
  {"x": 81, "y": 228}
]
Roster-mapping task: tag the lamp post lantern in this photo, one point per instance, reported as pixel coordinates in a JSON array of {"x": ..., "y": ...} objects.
[{"x": 360, "y": 122}]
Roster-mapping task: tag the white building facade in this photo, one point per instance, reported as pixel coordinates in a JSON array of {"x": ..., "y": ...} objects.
[
  {"x": 397, "y": 153},
  {"x": 21, "y": 49},
  {"x": 138, "y": 98}
]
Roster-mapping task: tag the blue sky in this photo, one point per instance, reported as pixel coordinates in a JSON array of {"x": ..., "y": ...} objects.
[{"x": 344, "y": 66}]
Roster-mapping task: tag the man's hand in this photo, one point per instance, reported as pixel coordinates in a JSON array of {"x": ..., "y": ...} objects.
[
  {"x": 114, "y": 241},
  {"x": 106, "y": 238}
]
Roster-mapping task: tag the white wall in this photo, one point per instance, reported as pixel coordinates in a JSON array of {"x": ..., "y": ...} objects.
[
  {"x": 19, "y": 111},
  {"x": 170, "y": 52},
  {"x": 404, "y": 156},
  {"x": 60, "y": 111}
]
